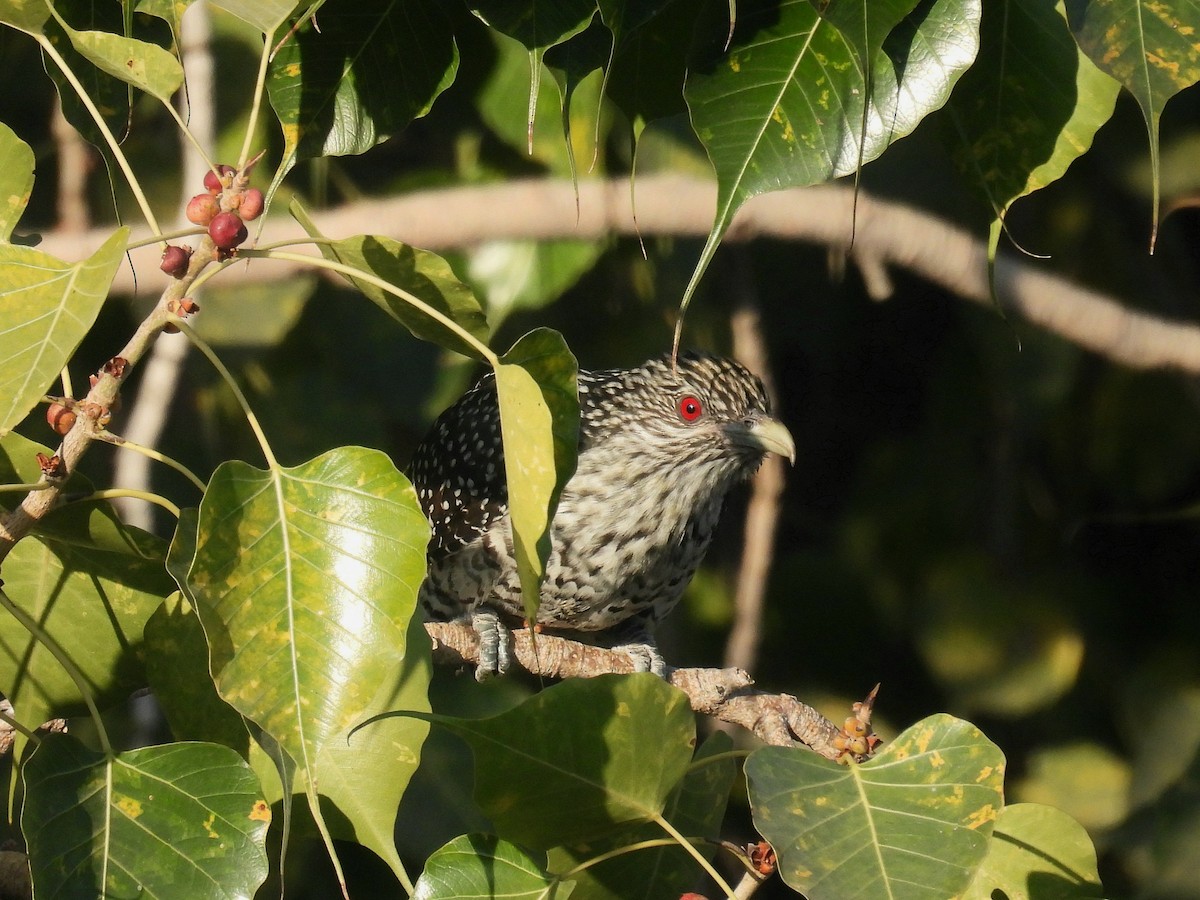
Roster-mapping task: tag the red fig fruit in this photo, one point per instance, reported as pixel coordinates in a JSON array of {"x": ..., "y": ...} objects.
[
  {"x": 175, "y": 260},
  {"x": 202, "y": 208},
  {"x": 227, "y": 230}
]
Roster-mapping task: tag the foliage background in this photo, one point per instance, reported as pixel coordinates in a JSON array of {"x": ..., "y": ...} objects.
[{"x": 983, "y": 517}]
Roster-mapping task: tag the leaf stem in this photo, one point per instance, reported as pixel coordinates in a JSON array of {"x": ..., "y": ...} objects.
[
  {"x": 717, "y": 757},
  {"x": 134, "y": 186},
  {"x": 200, "y": 344},
  {"x": 17, "y": 726},
  {"x": 333, "y": 266},
  {"x": 111, "y": 493},
  {"x": 613, "y": 854},
  {"x": 167, "y": 236},
  {"x": 691, "y": 849},
  {"x": 255, "y": 105},
  {"x": 125, "y": 444},
  {"x": 34, "y": 628}
]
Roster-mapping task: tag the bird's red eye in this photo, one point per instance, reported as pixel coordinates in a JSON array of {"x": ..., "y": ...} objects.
[{"x": 690, "y": 409}]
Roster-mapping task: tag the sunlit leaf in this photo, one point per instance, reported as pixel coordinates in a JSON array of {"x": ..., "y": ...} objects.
[
  {"x": 305, "y": 579},
  {"x": 16, "y": 180},
  {"x": 179, "y": 820},
  {"x": 265, "y": 15},
  {"x": 572, "y": 762},
  {"x": 365, "y": 775},
  {"x": 146, "y": 66},
  {"x": 784, "y": 105},
  {"x": 914, "y": 819},
  {"x": 27, "y": 15},
  {"x": 46, "y": 307},
  {"x": 539, "y": 424},
  {"x": 482, "y": 865},
  {"x": 1037, "y": 852},
  {"x": 1085, "y": 779}
]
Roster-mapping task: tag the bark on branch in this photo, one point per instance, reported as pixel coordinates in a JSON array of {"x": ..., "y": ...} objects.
[
  {"x": 724, "y": 694},
  {"x": 886, "y": 234}
]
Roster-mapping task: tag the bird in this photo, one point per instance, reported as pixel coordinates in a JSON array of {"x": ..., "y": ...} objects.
[{"x": 660, "y": 447}]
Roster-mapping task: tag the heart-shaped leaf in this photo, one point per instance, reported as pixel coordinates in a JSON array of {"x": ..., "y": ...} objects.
[
  {"x": 915, "y": 818},
  {"x": 178, "y": 820},
  {"x": 305, "y": 579}
]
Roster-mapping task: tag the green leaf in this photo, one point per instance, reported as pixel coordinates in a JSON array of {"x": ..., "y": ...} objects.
[
  {"x": 1086, "y": 780},
  {"x": 374, "y": 66},
  {"x": 365, "y": 775},
  {"x": 650, "y": 62},
  {"x": 1038, "y": 852},
  {"x": 696, "y": 807},
  {"x": 517, "y": 275},
  {"x": 504, "y": 104},
  {"x": 425, "y": 275},
  {"x": 16, "y": 180},
  {"x": 265, "y": 15},
  {"x": 177, "y": 669},
  {"x": 170, "y": 11},
  {"x": 580, "y": 758},
  {"x": 46, "y": 307},
  {"x": 146, "y": 66},
  {"x": 482, "y": 865},
  {"x": 305, "y": 579},
  {"x": 91, "y": 601},
  {"x": 26, "y": 15},
  {"x": 784, "y": 106},
  {"x": 537, "y": 24},
  {"x": 1152, "y": 47},
  {"x": 1030, "y": 106},
  {"x": 536, "y": 383},
  {"x": 914, "y": 821},
  {"x": 864, "y": 25},
  {"x": 180, "y": 820}
]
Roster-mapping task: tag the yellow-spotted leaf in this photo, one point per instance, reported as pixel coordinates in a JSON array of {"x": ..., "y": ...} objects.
[
  {"x": 536, "y": 383},
  {"x": 144, "y": 65},
  {"x": 46, "y": 307},
  {"x": 305, "y": 579},
  {"x": 16, "y": 180},
  {"x": 912, "y": 822},
  {"x": 1152, "y": 47},
  {"x": 1037, "y": 852},
  {"x": 178, "y": 820},
  {"x": 1029, "y": 107}
]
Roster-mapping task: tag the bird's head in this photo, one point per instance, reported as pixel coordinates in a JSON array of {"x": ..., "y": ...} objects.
[{"x": 705, "y": 411}]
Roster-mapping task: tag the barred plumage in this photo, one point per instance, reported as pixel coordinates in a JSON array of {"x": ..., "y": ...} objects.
[{"x": 659, "y": 448}]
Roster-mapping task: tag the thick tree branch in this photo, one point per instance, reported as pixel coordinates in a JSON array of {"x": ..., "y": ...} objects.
[
  {"x": 724, "y": 694},
  {"x": 886, "y": 234}
]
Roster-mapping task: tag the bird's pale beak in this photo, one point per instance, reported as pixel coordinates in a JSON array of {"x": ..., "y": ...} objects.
[{"x": 761, "y": 432}]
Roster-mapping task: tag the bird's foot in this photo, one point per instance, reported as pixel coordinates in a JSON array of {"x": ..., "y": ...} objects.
[
  {"x": 645, "y": 656},
  {"x": 495, "y": 644}
]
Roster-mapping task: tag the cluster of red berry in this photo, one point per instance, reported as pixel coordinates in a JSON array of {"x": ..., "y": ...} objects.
[{"x": 226, "y": 226}]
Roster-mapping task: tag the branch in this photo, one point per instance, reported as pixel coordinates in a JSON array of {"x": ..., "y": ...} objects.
[
  {"x": 886, "y": 234},
  {"x": 724, "y": 694}
]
